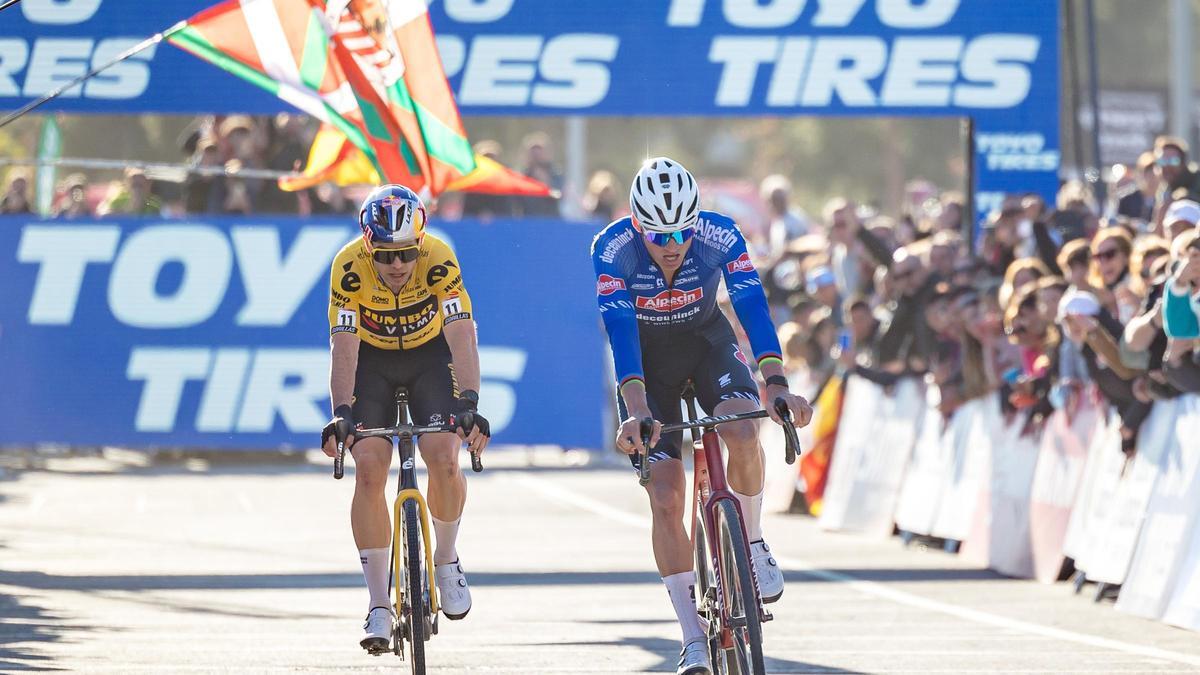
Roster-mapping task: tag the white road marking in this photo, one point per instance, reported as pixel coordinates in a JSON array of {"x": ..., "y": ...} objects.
[{"x": 872, "y": 588}]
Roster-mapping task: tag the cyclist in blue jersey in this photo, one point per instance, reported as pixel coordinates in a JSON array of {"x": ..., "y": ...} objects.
[{"x": 657, "y": 276}]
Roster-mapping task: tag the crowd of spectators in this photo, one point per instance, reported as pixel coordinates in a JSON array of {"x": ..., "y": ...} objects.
[
  {"x": 229, "y": 145},
  {"x": 1049, "y": 305}
]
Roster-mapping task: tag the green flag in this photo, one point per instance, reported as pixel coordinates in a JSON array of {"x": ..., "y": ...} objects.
[{"x": 49, "y": 150}]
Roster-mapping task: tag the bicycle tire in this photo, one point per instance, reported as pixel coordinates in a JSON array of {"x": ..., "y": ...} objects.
[
  {"x": 418, "y": 603},
  {"x": 737, "y": 581}
]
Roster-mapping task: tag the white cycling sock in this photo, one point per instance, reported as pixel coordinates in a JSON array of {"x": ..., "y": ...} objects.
[
  {"x": 751, "y": 513},
  {"x": 446, "y": 533},
  {"x": 375, "y": 571},
  {"x": 682, "y": 589}
]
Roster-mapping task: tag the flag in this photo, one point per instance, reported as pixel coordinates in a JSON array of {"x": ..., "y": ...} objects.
[
  {"x": 334, "y": 159},
  {"x": 814, "y": 464},
  {"x": 368, "y": 68}
]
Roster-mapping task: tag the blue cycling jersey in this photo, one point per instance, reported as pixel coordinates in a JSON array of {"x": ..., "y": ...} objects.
[{"x": 641, "y": 310}]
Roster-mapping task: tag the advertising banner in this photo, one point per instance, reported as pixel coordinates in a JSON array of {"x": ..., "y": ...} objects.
[
  {"x": 213, "y": 332},
  {"x": 995, "y": 62}
]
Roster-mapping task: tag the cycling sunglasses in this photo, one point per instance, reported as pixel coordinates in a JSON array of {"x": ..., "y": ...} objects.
[
  {"x": 1168, "y": 161},
  {"x": 385, "y": 256},
  {"x": 663, "y": 238}
]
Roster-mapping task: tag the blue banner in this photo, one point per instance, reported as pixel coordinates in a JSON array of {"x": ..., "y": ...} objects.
[
  {"x": 996, "y": 62},
  {"x": 214, "y": 333}
]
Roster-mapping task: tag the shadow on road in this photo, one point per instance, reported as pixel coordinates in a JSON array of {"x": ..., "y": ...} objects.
[
  {"x": 182, "y": 582},
  {"x": 668, "y": 651},
  {"x": 25, "y": 623},
  {"x": 912, "y": 574}
]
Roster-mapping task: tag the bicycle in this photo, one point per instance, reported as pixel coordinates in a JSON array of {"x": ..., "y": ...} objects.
[
  {"x": 725, "y": 586},
  {"x": 411, "y": 566}
]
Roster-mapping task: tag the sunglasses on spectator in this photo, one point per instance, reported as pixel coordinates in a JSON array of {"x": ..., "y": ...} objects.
[
  {"x": 663, "y": 238},
  {"x": 1168, "y": 161},
  {"x": 1107, "y": 254},
  {"x": 385, "y": 256}
]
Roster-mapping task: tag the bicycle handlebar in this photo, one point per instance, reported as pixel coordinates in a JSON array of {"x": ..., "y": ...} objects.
[
  {"x": 791, "y": 442},
  {"x": 341, "y": 432}
]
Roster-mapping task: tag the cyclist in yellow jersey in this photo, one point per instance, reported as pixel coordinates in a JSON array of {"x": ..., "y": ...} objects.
[{"x": 399, "y": 315}]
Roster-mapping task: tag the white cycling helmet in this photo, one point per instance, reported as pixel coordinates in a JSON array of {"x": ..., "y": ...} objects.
[{"x": 664, "y": 197}]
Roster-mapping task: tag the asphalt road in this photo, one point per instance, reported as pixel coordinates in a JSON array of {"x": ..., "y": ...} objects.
[{"x": 241, "y": 567}]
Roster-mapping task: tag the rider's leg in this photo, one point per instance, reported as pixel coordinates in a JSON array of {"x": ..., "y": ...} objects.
[
  {"x": 447, "y": 491},
  {"x": 369, "y": 516},
  {"x": 745, "y": 465},
  {"x": 672, "y": 548}
]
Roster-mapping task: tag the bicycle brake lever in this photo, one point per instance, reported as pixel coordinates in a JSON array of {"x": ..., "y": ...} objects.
[
  {"x": 467, "y": 421},
  {"x": 340, "y": 432},
  {"x": 791, "y": 443},
  {"x": 645, "y": 430}
]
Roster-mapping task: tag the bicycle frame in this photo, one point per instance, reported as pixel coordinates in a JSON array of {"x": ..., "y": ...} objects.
[
  {"x": 407, "y": 490},
  {"x": 709, "y": 488}
]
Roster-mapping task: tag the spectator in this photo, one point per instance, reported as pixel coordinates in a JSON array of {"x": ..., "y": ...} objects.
[
  {"x": 538, "y": 164},
  {"x": 786, "y": 223},
  {"x": 863, "y": 326},
  {"x": 981, "y": 332},
  {"x": 1181, "y": 216},
  {"x": 133, "y": 197},
  {"x": 602, "y": 200},
  {"x": 16, "y": 198},
  {"x": 1136, "y": 198},
  {"x": 946, "y": 248},
  {"x": 1018, "y": 274},
  {"x": 1181, "y": 303},
  {"x": 287, "y": 151},
  {"x": 822, "y": 287},
  {"x": 1111, "y": 251},
  {"x": 1146, "y": 250},
  {"x": 1179, "y": 178},
  {"x": 73, "y": 202},
  {"x": 198, "y": 189},
  {"x": 907, "y": 341},
  {"x": 1075, "y": 262},
  {"x": 483, "y": 206}
]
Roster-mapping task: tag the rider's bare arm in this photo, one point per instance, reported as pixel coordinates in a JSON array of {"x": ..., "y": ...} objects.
[
  {"x": 464, "y": 350},
  {"x": 343, "y": 363}
]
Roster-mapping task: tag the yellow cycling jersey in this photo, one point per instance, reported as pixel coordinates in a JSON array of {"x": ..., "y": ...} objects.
[{"x": 362, "y": 304}]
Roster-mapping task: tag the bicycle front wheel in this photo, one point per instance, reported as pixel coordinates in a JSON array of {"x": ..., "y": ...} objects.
[
  {"x": 745, "y": 656},
  {"x": 418, "y": 599}
]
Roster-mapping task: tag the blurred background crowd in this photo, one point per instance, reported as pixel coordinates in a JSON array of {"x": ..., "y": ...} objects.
[{"x": 1048, "y": 304}]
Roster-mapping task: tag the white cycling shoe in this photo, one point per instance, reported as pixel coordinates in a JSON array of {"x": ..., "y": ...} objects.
[
  {"x": 766, "y": 571},
  {"x": 693, "y": 660},
  {"x": 377, "y": 630},
  {"x": 453, "y": 593}
]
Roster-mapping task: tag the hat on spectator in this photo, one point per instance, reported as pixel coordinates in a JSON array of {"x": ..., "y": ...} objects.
[
  {"x": 818, "y": 278},
  {"x": 1182, "y": 209},
  {"x": 75, "y": 180},
  {"x": 1078, "y": 302}
]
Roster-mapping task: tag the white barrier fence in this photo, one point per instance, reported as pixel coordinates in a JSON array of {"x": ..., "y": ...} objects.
[{"x": 1021, "y": 502}]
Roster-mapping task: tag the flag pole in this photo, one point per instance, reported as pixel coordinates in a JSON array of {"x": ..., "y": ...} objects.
[
  {"x": 8, "y": 4},
  {"x": 141, "y": 46}
]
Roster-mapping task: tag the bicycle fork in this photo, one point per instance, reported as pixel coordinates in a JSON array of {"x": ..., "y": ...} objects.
[{"x": 398, "y": 537}]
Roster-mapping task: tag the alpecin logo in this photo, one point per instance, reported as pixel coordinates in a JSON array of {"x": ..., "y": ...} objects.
[
  {"x": 607, "y": 285},
  {"x": 742, "y": 264},
  {"x": 669, "y": 301}
]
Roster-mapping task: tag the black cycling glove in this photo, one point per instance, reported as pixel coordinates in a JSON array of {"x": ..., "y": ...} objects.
[
  {"x": 342, "y": 414},
  {"x": 468, "y": 402}
]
